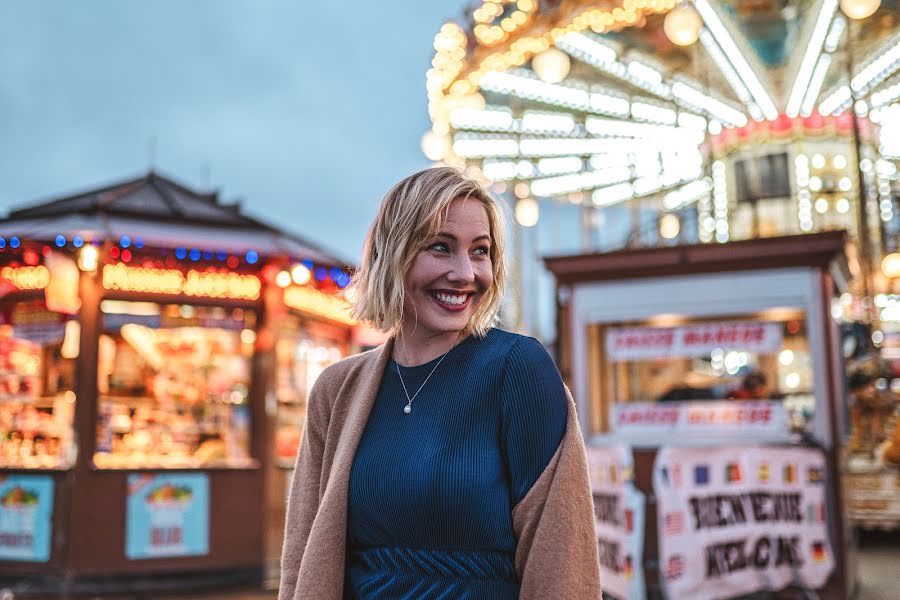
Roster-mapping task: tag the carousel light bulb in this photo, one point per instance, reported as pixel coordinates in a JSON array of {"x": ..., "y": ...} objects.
[
  {"x": 527, "y": 212},
  {"x": 843, "y": 206},
  {"x": 552, "y": 65},
  {"x": 890, "y": 266},
  {"x": 435, "y": 146},
  {"x": 682, "y": 25},
  {"x": 88, "y": 258},
  {"x": 839, "y": 161},
  {"x": 859, "y": 9},
  {"x": 669, "y": 226},
  {"x": 818, "y": 161}
]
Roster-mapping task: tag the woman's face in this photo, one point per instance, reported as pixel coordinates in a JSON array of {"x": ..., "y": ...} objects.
[{"x": 450, "y": 274}]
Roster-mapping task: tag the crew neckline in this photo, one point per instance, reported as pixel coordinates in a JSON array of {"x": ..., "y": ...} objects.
[{"x": 432, "y": 362}]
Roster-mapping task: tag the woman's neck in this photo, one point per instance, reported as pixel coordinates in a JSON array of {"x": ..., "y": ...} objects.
[{"x": 412, "y": 349}]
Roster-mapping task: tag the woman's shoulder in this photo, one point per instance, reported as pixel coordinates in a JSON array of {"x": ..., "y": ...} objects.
[
  {"x": 338, "y": 373},
  {"x": 520, "y": 350}
]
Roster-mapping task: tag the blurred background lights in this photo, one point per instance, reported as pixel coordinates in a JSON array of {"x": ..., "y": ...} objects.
[
  {"x": 88, "y": 258},
  {"x": 320, "y": 273},
  {"x": 125, "y": 241},
  {"x": 669, "y": 226},
  {"x": 301, "y": 274},
  {"x": 283, "y": 279},
  {"x": 78, "y": 241},
  {"x": 682, "y": 25},
  {"x": 552, "y": 65},
  {"x": 527, "y": 212},
  {"x": 859, "y": 9},
  {"x": 60, "y": 241},
  {"x": 435, "y": 146},
  {"x": 251, "y": 257}
]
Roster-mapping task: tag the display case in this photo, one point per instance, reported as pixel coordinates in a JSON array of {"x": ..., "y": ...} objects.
[
  {"x": 705, "y": 367},
  {"x": 173, "y": 383},
  {"x": 38, "y": 348}
]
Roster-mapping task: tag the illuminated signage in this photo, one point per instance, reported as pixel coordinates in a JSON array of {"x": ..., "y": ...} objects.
[
  {"x": 313, "y": 301},
  {"x": 172, "y": 281},
  {"x": 27, "y": 278}
]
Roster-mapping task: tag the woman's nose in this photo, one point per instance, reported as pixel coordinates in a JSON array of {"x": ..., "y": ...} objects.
[{"x": 462, "y": 270}]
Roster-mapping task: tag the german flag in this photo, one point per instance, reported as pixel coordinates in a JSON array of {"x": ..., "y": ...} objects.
[
  {"x": 790, "y": 473},
  {"x": 763, "y": 473},
  {"x": 733, "y": 473},
  {"x": 819, "y": 554},
  {"x": 628, "y": 568}
]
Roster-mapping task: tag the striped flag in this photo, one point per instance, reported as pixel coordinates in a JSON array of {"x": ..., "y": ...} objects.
[
  {"x": 675, "y": 567},
  {"x": 673, "y": 523}
]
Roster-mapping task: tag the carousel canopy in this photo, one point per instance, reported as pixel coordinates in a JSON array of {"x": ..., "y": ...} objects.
[
  {"x": 164, "y": 214},
  {"x": 609, "y": 101}
]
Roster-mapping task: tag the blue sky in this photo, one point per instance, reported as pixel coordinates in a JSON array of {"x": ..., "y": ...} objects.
[{"x": 308, "y": 111}]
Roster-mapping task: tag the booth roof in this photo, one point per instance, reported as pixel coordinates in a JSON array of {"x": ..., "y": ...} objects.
[{"x": 162, "y": 212}]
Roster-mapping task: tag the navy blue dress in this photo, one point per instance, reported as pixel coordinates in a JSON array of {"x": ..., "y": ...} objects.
[{"x": 432, "y": 492}]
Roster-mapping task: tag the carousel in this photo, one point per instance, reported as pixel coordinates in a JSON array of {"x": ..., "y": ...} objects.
[{"x": 635, "y": 131}]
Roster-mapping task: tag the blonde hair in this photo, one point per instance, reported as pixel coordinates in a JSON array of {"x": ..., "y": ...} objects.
[{"x": 411, "y": 213}]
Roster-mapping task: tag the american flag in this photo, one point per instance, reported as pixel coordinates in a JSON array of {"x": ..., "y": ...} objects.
[
  {"x": 675, "y": 567},
  {"x": 673, "y": 523}
]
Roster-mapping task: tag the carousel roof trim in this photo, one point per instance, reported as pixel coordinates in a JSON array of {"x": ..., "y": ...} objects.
[{"x": 164, "y": 213}]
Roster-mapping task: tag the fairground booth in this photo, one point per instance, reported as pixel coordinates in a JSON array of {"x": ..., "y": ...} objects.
[
  {"x": 709, "y": 383},
  {"x": 157, "y": 346}
]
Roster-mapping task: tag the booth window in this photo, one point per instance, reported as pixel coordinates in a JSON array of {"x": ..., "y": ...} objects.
[
  {"x": 173, "y": 383},
  {"x": 38, "y": 348},
  {"x": 761, "y": 357}
]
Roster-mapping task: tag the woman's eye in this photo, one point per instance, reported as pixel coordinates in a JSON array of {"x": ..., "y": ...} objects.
[
  {"x": 483, "y": 251},
  {"x": 438, "y": 247}
]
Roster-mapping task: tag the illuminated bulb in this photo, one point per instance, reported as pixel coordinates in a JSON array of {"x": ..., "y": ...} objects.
[
  {"x": 821, "y": 206},
  {"x": 552, "y": 65},
  {"x": 786, "y": 357},
  {"x": 792, "y": 380},
  {"x": 682, "y": 25},
  {"x": 818, "y": 161},
  {"x": 87, "y": 258},
  {"x": 890, "y": 266},
  {"x": 301, "y": 275},
  {"x": 248, "y": 336},
  {"x": 859, "y": 9},
  {"x": 527, "y": 212},
  {"x": 283, "y": 279},
  {"x": 522, "y": 190},
  {"x": 669, "y": 226},
  {"x": 815, "y": 183},
  {"x": 842, "y": 206},
  {"x": 845, "y": 184},
  {"x": 839, "y": 161},
  {"x": 435, "y": 147}
]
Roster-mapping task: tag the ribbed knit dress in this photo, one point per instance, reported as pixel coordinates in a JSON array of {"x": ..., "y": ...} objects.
[{"x": 432, "y": 492}]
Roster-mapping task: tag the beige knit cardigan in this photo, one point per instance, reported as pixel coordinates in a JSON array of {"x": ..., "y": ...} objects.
[{"x": 556, "y": 546}]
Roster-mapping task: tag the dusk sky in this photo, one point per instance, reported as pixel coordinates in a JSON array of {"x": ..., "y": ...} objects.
[{"x": 307, "y": 111}]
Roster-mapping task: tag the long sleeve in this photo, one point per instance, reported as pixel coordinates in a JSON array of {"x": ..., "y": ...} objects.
[
  {"x": 305, "y": 493},
  {"x": 556, "y": 545},
  {"x": 534, "y": 404}
]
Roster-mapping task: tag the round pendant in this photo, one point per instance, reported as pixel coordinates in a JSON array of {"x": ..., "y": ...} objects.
[{"x": 407, "y": 409}]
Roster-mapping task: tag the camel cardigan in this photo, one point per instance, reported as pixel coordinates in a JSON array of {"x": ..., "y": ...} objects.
[{"x": 556, "y": 546}]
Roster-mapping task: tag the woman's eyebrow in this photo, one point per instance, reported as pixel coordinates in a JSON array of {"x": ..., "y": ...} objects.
[{"x": 450, "y": 236}]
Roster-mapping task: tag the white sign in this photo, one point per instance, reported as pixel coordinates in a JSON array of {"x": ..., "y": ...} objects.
[
  {"x": 699, "y": 339},
  {"x": 619, "y": 521},
  {"x": 735, "y": 520},
  {"x": 728, "y": 416}
]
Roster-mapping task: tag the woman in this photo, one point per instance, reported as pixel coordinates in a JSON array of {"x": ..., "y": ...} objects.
[{"x": 448, "y": 463}]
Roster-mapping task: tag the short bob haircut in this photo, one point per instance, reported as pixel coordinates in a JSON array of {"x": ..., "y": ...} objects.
[{"x": 410, "y": 214}]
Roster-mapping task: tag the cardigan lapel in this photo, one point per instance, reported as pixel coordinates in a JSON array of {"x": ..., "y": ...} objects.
[{"x": 326, "y": 551}]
